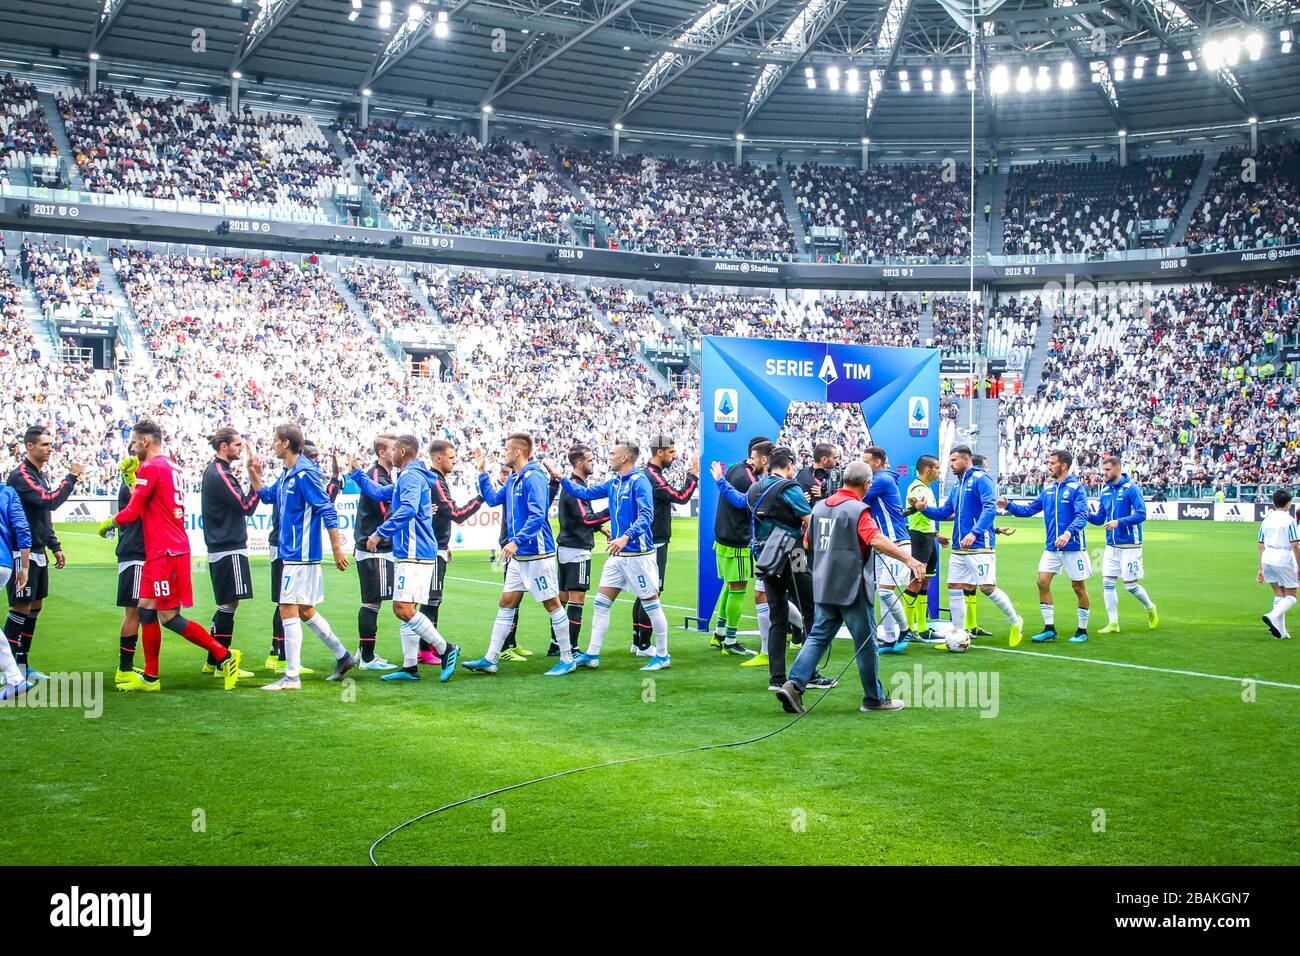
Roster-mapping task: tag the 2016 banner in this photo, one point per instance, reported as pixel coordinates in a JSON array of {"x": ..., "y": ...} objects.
[{"x": 748, "y": 385}]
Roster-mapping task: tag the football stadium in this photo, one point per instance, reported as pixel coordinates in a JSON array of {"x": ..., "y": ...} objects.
[{"x": 650, "y": 432}]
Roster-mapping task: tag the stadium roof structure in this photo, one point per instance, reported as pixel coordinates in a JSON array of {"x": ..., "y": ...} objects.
[{"x": 829, "y": 71}]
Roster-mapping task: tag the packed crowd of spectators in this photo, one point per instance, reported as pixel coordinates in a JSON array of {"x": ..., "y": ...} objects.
[
  {"x": 1093, "y": 207},
  {"x": 533, "y": 355},
  {"x": 1250, "y": 201},
  {"x": 76, "y": 400},
  {"x": 66, "y": 282},
  {"x": 433, "y": 180},
  {"x": 863, "y": 318},
  {"x": 1183, "y": 386},
  {"x": 1013, "y": 324},
  {"x": 24, "y": 132},
  {"x": 252, "y": 342},
  {"x": 910, "y": 211},
  {"x": 633, "y": 316},
  {"x": 174, "y": 148},
  {"x": 955, "y": 332},
  {"x": 385, "y": 298},
  {"x": 684, "y": 207}
]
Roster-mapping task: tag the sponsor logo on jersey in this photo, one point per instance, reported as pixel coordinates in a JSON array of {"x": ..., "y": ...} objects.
[{"x": 726, "y": 409}]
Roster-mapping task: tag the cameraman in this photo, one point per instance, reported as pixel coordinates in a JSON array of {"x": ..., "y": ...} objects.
[{"x": 824, "y": 476}]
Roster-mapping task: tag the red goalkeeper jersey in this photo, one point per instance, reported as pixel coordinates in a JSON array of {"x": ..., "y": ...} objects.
[{"x": 160, "y": 508}]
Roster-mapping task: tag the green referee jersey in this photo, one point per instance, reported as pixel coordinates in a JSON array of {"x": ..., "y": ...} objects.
[{"x": 917, "y": 521}]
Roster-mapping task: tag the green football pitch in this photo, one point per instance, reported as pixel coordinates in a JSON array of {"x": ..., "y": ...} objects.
[{"x": 1169, "y": 747}]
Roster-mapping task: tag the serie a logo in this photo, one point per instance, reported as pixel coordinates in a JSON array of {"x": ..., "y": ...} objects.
[{"x": 918, "y": 416}]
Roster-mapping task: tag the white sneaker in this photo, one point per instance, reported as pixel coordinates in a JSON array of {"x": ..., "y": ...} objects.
[
  {"x": 643, "y": 651},
  {"x": 378, "y": 664},
  {"x": 285, "y": 683}
]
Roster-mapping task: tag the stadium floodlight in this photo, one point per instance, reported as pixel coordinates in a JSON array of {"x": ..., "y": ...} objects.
[
  {"x": 367, "y": 92},
  {"x": 356, "y": 4},
  {"x": 1065, "y": 78},
  {"x": 415, "y": 13},
  {"x": 1024, "y": 81},
  {"x": 853, "y": 84},
  {"x": 999, "y": 79},
  {"x": 352, "y": 15},
  {"x": 441, "y": 27},
  {"x": 236, "y": 75},
  {"x": 385, "y": 21},
  {"x": 1253, "y": 121},
  {"x": 626, "y": 48},
  {"x": 618, "y": 126},
  {"x": 94, "y": 56},
  {"x": 1212, "y": 53},
  {"x": 1163, "y": 68},
  {"x": 866, "y": 141},
  {"x": 1123, "y": 132},
  {"x": 740, "y": 137},
  {"x": 1285, "y": 38},
  {"x": 927, "y": 75},
  {"x": 902, "y": 76},
  {"x": 970, "y": 80},
  {"x": 487, "y": 107},
  {"x": 1255, "y": 45},
  {"x": 945, "y": 81},
  {"x": 833, "y": 77},
  {"x": 1044, "y": 80},
  {"x": 1119, "y": 64},
  {"x": 1231, "y": 51},
  {"x": 810, "y": 77}
]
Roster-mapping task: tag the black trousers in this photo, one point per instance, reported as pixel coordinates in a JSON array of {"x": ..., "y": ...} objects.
[{"x": 781, "y": 589}]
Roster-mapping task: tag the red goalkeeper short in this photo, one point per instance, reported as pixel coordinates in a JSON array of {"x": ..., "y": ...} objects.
[{"x": 166, "y": 582}]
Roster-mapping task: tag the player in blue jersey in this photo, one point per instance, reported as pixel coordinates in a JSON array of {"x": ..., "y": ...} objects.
[
  {"x": 529, "y": 548},
  {"x": 16, "y": 540},
  {"x": 972, "y": 563},
  {"x": 409, "y": 526},
  {"x": 305, "y": 509},
  {"x": 631, "y": 565},
  {"x": 1122, "y": 512},
  {"x": 1063, "y": 504},
  {"x": 885, "y": 499}
]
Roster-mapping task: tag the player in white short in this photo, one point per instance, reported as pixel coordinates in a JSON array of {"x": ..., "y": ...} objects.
[
  {"x": 1279, "y": 561},
  {"x": 529, "y": 549},
  {"x": 1122, "y": 512},
  {"x": 631, "y": 565}
]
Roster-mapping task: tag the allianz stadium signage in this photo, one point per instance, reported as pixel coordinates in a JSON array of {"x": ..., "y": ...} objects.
[{"x": 328, "y": 238}]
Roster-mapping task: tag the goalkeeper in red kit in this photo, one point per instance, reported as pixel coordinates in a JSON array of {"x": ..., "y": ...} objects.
[{"x": 165, "y": 579}]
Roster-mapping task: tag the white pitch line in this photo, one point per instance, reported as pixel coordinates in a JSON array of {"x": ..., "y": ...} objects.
[
  {"x": 1137, "y": 667},
  {"x": 1058, "y": 657}
]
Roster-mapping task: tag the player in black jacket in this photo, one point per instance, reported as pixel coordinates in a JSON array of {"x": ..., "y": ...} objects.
[
  {"x": 663, "y": 452},
  {"x": 442, "y": 462},
  {"x": 225, "y": 506},
  {"x": 39, "y": 502},
  {"x": 374, "y": 568},
  {"x": 578, "y": 526},
  {"x": 130, "y": 563}
]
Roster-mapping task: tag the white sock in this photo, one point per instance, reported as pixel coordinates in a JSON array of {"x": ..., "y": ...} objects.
[
  {"x": 1049, "y": 615},
  {"x": 658, "y": 624},
  {"x": 1002, "y": 601},
  {"x": 1279, "y": 613},
  {"x": 796, "y": 616},
  {"x": 886, "y": 626},
  {"x": 560, "y": 631},
  {"x": 764, "y": 622},
  {"x": 892, "y": 606},
  {"x": 957, "y": 605},
  {"x": 322, "y": 629},
  {"x": 13, "y": 674},
  {"x": 1110, "y": 596},
  {"x": 1083, "y": 618},
  {"x": 292, "y": 647},
  {"x": 500, "y": 631},
  {"x": 410, "y": 644},
  {"x": 424, "y": 629},
  {"x": 1139, "y": 592},
  {"x": 600, "y": 625}
]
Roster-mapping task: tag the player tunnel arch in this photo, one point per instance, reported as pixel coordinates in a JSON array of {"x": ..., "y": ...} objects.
[{"x": 747, "y": 387}]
